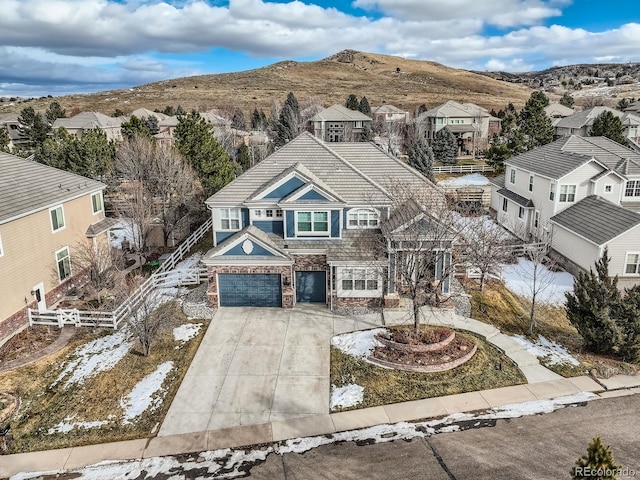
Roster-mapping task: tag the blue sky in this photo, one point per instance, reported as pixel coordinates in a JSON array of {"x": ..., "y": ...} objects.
[{"x": 73, "y": 46}]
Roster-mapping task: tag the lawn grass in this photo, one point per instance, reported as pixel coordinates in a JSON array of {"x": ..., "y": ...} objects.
[
  {"x": 97, "y": 398},
  {"x": 489, "y": 368},
  {"x": 497, "y": 306}
]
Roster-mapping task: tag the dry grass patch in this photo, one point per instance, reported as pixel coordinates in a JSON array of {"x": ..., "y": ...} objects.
[
  {"x": 497, "y": 306},
  {"x": 46, "y": 405},
  {"x": 488, "y": 368}
]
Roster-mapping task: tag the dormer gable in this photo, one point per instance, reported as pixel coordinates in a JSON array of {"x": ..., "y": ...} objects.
[
  {"x": 311, "y": 193},
  {"x": 250, "y": 243}
]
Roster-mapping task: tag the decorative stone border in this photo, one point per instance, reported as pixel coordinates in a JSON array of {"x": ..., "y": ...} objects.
[
  {"x": 441, "y": 367},
  {"x": 419, "y": 348}
]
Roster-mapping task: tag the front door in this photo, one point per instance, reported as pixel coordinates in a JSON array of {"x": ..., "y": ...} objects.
[
  {"x": 311, "y": 287},
  {"x": 38, "y": 293}
]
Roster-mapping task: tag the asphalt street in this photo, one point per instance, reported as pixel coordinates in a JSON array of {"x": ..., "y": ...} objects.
[{"x": 541, "y": 447}]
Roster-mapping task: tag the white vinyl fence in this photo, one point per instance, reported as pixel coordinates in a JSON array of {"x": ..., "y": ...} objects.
[{"x": 164, "y": 277}]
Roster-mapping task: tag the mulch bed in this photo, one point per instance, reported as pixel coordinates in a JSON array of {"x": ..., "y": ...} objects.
[
  {"x": 27, "y": 342},
  {"x": 458, "y": 348}
]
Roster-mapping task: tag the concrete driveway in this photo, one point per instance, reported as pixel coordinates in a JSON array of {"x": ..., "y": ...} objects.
[{"x": 257, "y": 365}]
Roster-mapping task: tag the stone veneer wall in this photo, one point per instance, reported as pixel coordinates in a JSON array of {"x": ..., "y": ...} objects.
[
  {"x": 285, "y": 272},
  {"x": 20, "y": 320}
]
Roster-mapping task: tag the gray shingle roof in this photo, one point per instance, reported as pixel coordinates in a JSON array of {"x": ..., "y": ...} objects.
[
  {"x": 586, "y": 117},
  {"x": 356, "y": 172},
  {"x": 27, "y": 187},
  {"x": 597, "y": 219},
  {"x": 268, "y": 240},
  {"x": 561, "y": 157},
  {"x": 520, "y": 200},
  {"x": 498, "y": 181},
  {"x": 88, "y": 120},
  {"x": 340, "y": 113}
]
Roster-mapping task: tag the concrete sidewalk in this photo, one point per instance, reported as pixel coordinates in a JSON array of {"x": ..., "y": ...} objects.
[{"x": 58, "y": 461}]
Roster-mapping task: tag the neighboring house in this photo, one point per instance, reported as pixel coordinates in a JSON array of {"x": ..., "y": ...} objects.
[
  {"x": 580, "y": 123},
  {"x": 220, "y": 126},
  {"x": 569, "y": 186},
  {"x": 292, "y": 229},
  {"x": 145, "y": 113},
  {"x": 556, "y": 111},
  {"x": 634, "y": 107},
  {"x": 339, "y": 124},
  {"x": 390, "y": 114},
  {"x": 85, "y": 121},
  {"x": 45, "y": 214},
  {"x": 167, "y": 128},
  {"x": 11, "y": 123},
  {"x": 472, "y": 125}
]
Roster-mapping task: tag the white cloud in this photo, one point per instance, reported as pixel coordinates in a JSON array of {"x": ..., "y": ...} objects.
[{"x": 101, "y": 42}]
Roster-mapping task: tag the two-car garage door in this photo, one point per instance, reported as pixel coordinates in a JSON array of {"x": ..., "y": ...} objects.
[{"x": 250, "y": 290}]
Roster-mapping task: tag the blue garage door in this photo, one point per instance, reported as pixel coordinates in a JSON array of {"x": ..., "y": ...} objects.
[
  {"x": 311, "y": 287},
  {"x": 249, "y": 290}
]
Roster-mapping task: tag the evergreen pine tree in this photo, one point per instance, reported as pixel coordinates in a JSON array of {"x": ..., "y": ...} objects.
[
  {"x": 352, "y": 102},
  {"x": 567, "y": 100},
  {"x": 594, "y": 307},
  {"x": 118, "y": 113},
  {"x": 34, "y": 127},
  {"x": 54, "y": 112},
  {"x": 292, "y": 102},
  {"x": 597, "y": 464},
  {"x": 286, "y": 126},
  {"x": 135, "y": 127},
  {"x": 152, "y": 124},
  {"x": 534, "y": 122},
  {"x": 630, "y": 324},
  {"x": 608, "y": 125},
  {"x": 169, "y": 111},
  {"x": 237, "y": 121},
  {"x": 195, "y": 140},
  {"x": 4, "y": 139},
  {"x": 243, "y": 157},
  {"x": 179, "y": 110},
  {"x": 364, "y": 106},
  {"x": 421, "y": 158},
  {"x": 445, "y": 147},
  {"x": 258, "y": 120}
]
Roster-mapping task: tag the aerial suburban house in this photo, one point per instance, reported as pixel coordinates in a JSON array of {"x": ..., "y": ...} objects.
[
  {"x": 84, "y": 121},
  {"x": 11, "y": 123},
  {"x": 472, "y": 125},
  {"x": 583, "y": 192},
  {"x": 292, "y": 228},
  {"x": 556, "y": 111},
  {"x": 45, "y": 214},
  {"x": 340, "y": 124},
  {"x": 390, "y": 114},
  {"x": 580, "y": 123}
]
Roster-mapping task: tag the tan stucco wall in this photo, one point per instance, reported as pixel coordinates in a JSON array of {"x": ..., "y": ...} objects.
[{"x": 29, "y": 247}]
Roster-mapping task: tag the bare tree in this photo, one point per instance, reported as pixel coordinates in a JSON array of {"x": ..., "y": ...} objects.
[
  {"x": 148, "y": 318},
  {"x": 419, "y": 236},
  {"x": 484, "y": 245},
  {"x": 161, "y": 188},
  {"x": 103, "y": 263}
]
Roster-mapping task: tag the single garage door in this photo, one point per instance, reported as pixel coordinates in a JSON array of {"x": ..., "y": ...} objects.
[
  {"x": 249, "y": 290},
  {"x": 311, "y": 287}
]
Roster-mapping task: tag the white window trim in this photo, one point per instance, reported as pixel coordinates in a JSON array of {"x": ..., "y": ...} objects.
[
  {"x": 567, "y": 186},
  {"x": 55, "y": 256},
  {"x": 229, "y": 217},
  {"x": 626, "y": 262},
  {"x": 636, "y": 184},
  {"x": 64, "y": 220},
  {"x": 99, "y": 194},
  {"x": 505, "y": 204},
  {"x": 1, "y": 247},
  {"x": 531, "y": 183},
  {"x": 552, "y": 191},
  {"x": 512, "y": 176},
  {"x": 368, "y": 274},
  {"x": 604, "y": 189},
  {"x": 357, "y": 211},
  {"x": 522, "y": 214},
  {"x": 536, "y": 219},
  {"x": 320, "y": 233}
]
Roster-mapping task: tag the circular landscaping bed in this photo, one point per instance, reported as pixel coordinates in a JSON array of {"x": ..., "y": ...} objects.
[
  {"x": 426, "y": 340},
  {"x": 452, "y": 354}
]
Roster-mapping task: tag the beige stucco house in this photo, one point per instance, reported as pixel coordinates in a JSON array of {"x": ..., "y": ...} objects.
[
  {"x": 84, "y": 121},
  {"x": 337, "y": 123},
  {"x": 45, "y": 214},
  {"x": 580, "y": 123}
]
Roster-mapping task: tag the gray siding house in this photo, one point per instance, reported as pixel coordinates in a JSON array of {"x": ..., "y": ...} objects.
[
  {"x": 340, "y": 124},
  {"x": 582, "y": 191}
]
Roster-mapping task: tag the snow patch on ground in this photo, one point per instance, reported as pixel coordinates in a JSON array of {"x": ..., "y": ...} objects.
[
  {"x": 465, "y": 180},
  {"x": 67, "y": 425},
  {"x": 481, "y": 227},
  {"x": 185, "y": 332},
  {"x": 147, "y": 394},
  {"x": 94, "y": 357},
  {"x": 519, "y": 279},
  {"x": 556, "y": 354},
  {"x": 358, "y": 344},
  {"x": 346, "y": 396},
  {"x": 234, "y": 463},
  {"x": 123, "y": 229}
]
